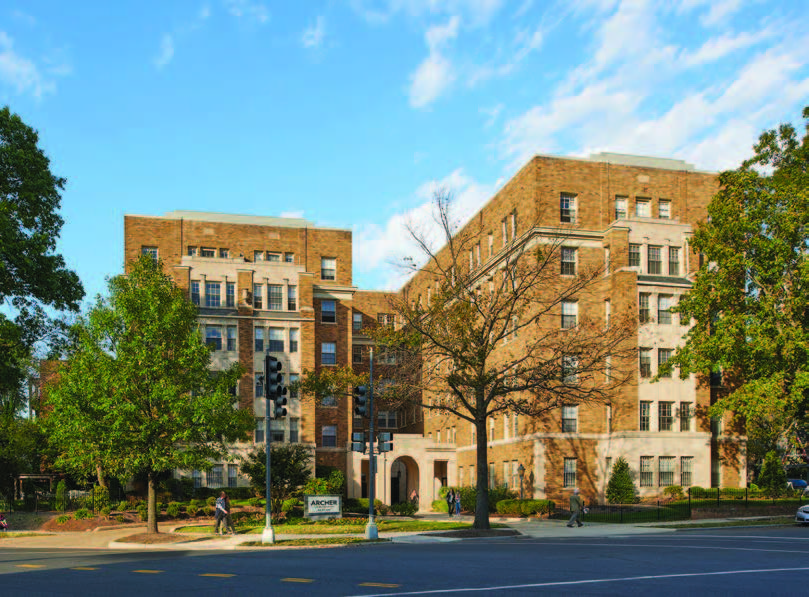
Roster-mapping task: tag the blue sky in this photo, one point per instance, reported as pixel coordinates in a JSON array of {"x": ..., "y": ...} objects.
[{"x": 349, "y": 113}]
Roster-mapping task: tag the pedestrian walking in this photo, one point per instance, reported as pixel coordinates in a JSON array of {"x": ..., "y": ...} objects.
[
  {"x": 576, "y": 507},
  {"x": 228, "y": 516},
  {"x": 220, "y": 514},
  {"x": 414, "y": 498},
  {"x": 450, "y": 502},
  {"x": 457, "y": 502},
  {"x": 3, "y": 523}
]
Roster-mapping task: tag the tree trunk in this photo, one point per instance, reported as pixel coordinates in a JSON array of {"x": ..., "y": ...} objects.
[
  {"x": 102, "y": 480},
  {"x": 482, "y": 497},
  {"x": 151, "y": 499}
]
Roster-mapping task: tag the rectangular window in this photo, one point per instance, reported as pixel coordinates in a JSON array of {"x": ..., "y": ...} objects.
[
  {"x": 150, "y": 252},
  {"x": 515, "y": 425},
  {"x": 685, "y": 416},
  {"x": 664, "y": 309},
  {"x": 258, "y": 255},
  {"x": 293, "y": 339},
  {"x": 645, "y": 415},
  {"x": 570, "y": 418},
  {"x": 258, "y": 345},
  {"x": 257, "y": 292},
  {"x": 506, "y": 473},
  {"x": 292, "y": 298},
  {"x": 568, "y": 261},
  {"x": 643, "y": 207},
  {"x": 665, "y": 475},
  {"x": 328, "y": 268},
  {"x": 570, "y": 369},
  {"x": 192, "y": 251},
  {"x": 328, "y": 312},
  {"x": 513, "y": 218},
  {"x": 570, "y": 472},
  {"x": 277, "y": 430},
  {"x": 328, "y": 353},
  {"x": 224, "y": 254},
  {"x": 620, "y": 207},
  {"x": 274, "y": 257},
  {"x": 506, "y": 426},
  {"x": 385, "y": 319},
  {"x": 608, "y": 464},
  {"x": 655, "y": 262},
  {"x": 674, "y": 261},
  {"x": 259, "y": 385},
  {"x": 231, "y": 338},
  {"x": 275, "y": 340},
  {"x": 647, "y": 475},
  {"x": 634, "y": 255},
  {"x": 293, "y": 392},
  {"x": 230, "y": 294},
  {"x": 644, "y": 313},
  {"x": 664, "y": 209},
  {"x": 356, "y": 355},
  {"x": 215, "y": 476},
  {"x": 686, "y": 471},
  {"x": 275, "y": 293},
  {"x": 663, "y": 356},
  {"x": 258, "y": 436},
  {"x": 567, "y": 208},
  {"x": 645, "y": 362},
  {"x": 289, "y": 257},
  {"x": 197, "y": 477},
  {"x": 491, "y": 244},
  {"x": 213, "y": 337},
  {"x": 212, "y": 296},
  {"x": 294, "y": 433},
  {"x": 233, "y": 475},
  {"x": 665, "y": 417},
  {"x": 195, "y": 292},
  {"x": 207, "y": 252},
  {"x": 492, "y": 476},
  {"x": 570, "y": 313},
  {"x": 356, "y": 322},
  {"x": 329, "y": 436}
]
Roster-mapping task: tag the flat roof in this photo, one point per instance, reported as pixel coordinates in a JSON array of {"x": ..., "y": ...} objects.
[
  {"x": 225, "y": 218},
  {"x": 626, "y": 159}
]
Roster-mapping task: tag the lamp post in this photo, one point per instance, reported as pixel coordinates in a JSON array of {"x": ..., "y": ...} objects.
[{"x": 521, "y": 473}]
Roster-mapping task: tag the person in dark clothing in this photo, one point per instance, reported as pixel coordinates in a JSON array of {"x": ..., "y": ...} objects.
[{"x": 450, "y": 502}]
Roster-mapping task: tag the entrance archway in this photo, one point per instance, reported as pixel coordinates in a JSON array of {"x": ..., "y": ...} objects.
[{"x": 404, "y": 479}]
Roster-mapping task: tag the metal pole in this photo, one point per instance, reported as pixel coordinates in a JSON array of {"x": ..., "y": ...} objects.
[
  {"x": 371, "y": 531},
  {"x": 268, "y": 535}
]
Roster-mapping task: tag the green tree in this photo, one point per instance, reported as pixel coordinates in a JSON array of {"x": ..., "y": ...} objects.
[
  {"x": 750, "y": 298},
  {"x": 621, "y": 488},
  {"x": 22, "y": 450},
  {"x": 290, "y": 469},
  {"x": 773, "y": 477},
  {"x": 32, "y": 274},
  {"x": 137, "y": 394}
]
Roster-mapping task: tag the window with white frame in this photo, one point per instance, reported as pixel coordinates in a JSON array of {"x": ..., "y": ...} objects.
[
  {"x": 620, "y": 207},
  {"x": 195, "y": 292},
  {"x": 294, "y": 334},
  {"x": 356, "y": 322},
  {"x": 685, "y": 416},
  {"x": 647, "y": 474},
  {"x": 570, "y": 314},
  {"x": 149, "y": 252},
  {"x": 567, "y": 208},
  {"x": 233, "y": 471},
  {"x": 674, "y": 261},
  {"x": 663, "y": 356},
  {"x": 634, "y": 255},
  {"x": 292, "y": 298},
  {"x": 207, "y": 252},
  {"x": 259, "y": 385},
  {"x": 664, "y": 209},
  {"x": 664, "y": 309},
  {"x": 192, "y": 251},
  {"x": 215, "y": 476},
  {"x": 506, "y": 473},
  {"x": 645, "y": 415},
  {"x": 515, "y": 422},
  {"x": 275, "y": 300},
  {"x": 570, "y": 469},
  {"x": 258, "y": 340},
  {"x": 230, "y": 294},
  {"x": 293, "y": 391},
  {"x": 570, "y": 369},
  {"x": 654, "y": 265},
  {"x": 492, "y": 476},
  {"x": 328, "y": 311},
  {"x": 506, "y": 427},
  {"x": 258, "y": 291},
  {"x": 568, "y": 255},
  {"x": 197, "y": 477},
  {"x": 643, "y": 207},
  {"x": 473, "y": 433},
  {"x": 644, "y": 311},
  {"x": 686, "y": 471},
  {"x": 294, "y": 430},
  {"x": 289, "y": 257},
  {"x": 665, "y": 417},
  {"x": 570, "y": 418},
  {"x": 328, "y": 268},
  {"x": 515, "y": 475},
  {"x": 277, "y": 435},
  {"x": 212, "y": 296},
  {"x": 258, "y": 435},
  {"x": 329, "y": 436},
  {"x": 258, "y": 255},
  {"x": 275, "y": 340},
  {"x": 665, "y": 476},
  {"x": 274, "y": 257},
  {"x": 645, "y": 355},
  {"x": 224, "y": 254},
  {"x": 213, "y": 336},
  {"x": 328, "y": 353},
  {"x": 491, "y": 430},
  {"x": 231, "y": 338}
]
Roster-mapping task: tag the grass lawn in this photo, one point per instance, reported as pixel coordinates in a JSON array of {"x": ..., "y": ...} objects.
[{"x": 389, "y": 526}]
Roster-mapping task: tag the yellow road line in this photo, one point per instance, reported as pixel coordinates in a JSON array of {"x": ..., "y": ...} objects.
[
  {"x": 217, "y": 575},
  {"x": 148, "y": 571},
  {"x": 379, "y": 584},
  {"x": 84, "y": 568},
  {"x": 297, "y": 580},
  {"x": 30, "y": 565}
]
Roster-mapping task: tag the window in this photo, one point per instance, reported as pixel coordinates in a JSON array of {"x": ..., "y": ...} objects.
[
  {"x": 207, "y": 252},
  {"x": 570, "y": 417},
  {"x": 570, "y": 472},
  {"x": 664, "y": 309},
  {"x": 491, "y": 244},
  {"x": 685, "y": 416},
  {"x": 293, "y": 339},
  {"x": 620, "y": 207},
  {"x": 645, "y": 362},
  {"x": 506, "y": 427},
  {"x": 192, "y": 251},
  {"x": 515, "y": 422},
  {"x": 387, "y": 418},
  {"x": 289, "y": 257},
  {"x": 473, "y": 433},
  {"x": 356, "y": 322},
  {"x": 277, "y": 431},
  {"x": 258, "y": 255},
  {"x": 665, "y": 475},
  {"x": 665, "y": 417},
  {"x": 385, "y": 319},
  {"x": 356, "y": 354},
  {"x": 663, "y": 356},
  {"x": 492, "y": 476},
  {"x": 212, "y": 298},
  {"x": 655, "y": 263},
  {"x": 275, "y": 341},
  {"x": 195, "y": 292},
  {"x": 224, "y": 254},
  {"x": 257, "y": 291},
  {"x": 570, "y": 369},
  {"x": 292, "y": 298},
  {"x": 328, "y": 268},
  {"x": 686, "y": 471},
  {"x": 567, "y": 208},
  {"x": 258, "y": 336},
  {"x": 647, "y": 475},
  {"x": 150, "y": 252},
  {"x": 570, "y": 312},
  {"x": 715, "y": 378},
  {"x": 197, "y": 477},
  {"x": 674, "y": 261},
  {"x": 513, "y": 218},
  {"x": 231, "y": 338},
  {"x": 232, "y": 475},
  {"x": 293, "y": 392},
  {"x": 505, "y": 232},
  {"x": 275, "y": 302},
  {"x": 215, "y": 476},
  {"x": 506, "y": 473},
  {"x": 213, "y": 337},
  {"x": 258, "y": 435},
  {"x": 645, "y": 415},
  {"x": 608, "y": 464},
  {"x": 328, "y": 353},
  {"x": 329, "y": 436},
  {"x": 230, "y": 294},
  {"x": 643, "y": 307},
  {"x": 259, "y": 378},
  {"x": 328, "y": 312},
  {"x": 609, "y": 418},
  {"x": 643, "y": 208},
  {"x": 568, "y": 261},
  {"x": 491, "y": 430},
  {"x": 634, "y": 255},
  {"x": 274, "y": 257},
  {"x": 664, "y": 209}
]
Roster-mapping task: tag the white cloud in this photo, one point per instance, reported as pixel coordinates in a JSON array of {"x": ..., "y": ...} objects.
[
  {"x": 436, "y": 73},
  {"x": 21, "y": 73},
  {"x": 716, "y": 48},
  {"x": 166, "y": 51},
  {"x": 255, "y": 11},
  {"x": 714, "y": 12},
  {"x": 475, "y": 12},
  {"x": 313, "y": 36}
]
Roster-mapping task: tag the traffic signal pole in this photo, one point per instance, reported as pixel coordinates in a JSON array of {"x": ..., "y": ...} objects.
[
  {"x": 371, "y": 531},
  {"x": 268, "y": 534}
]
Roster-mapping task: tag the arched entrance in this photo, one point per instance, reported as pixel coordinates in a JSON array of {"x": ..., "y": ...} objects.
[{"x": 404, "y": 479}]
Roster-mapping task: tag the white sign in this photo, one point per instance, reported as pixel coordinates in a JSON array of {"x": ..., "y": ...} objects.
[{"x": 323, "y": 506}]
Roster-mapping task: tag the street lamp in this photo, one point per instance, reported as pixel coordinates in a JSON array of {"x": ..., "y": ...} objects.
[{"x": 521, "y": 473}]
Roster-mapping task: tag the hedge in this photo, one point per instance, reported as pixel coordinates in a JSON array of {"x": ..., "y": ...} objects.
[{"x": 524, "y": 507}]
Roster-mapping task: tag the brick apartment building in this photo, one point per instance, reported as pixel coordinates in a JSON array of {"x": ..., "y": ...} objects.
[{"x": 285, "y": 286}]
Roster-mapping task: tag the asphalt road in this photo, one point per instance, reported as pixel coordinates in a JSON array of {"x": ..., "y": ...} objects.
[{"x": 742, "y": 561}]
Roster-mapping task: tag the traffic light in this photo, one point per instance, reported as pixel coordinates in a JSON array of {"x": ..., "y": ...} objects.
[
  {"x": 358, "y": 442},
  {"x": 360, "y": 401},
  {"x": 279, "y": 411},
  {"x": 274, "y": 384},
  {"x": 383, "y": 442}
]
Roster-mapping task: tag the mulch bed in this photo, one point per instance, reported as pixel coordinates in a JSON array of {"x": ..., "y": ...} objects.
[{"x": 473, "y": 533}]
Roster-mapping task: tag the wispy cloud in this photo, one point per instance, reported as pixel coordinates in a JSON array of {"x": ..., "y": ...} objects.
[
  {"x": 435, "y": 74},
  {"x": 22, "y": 74},
  {"x": 313, "y": 36},
  {"x": 714, "y": 12},
  {"x": 24, "y": 17},
  {"x": 491, "y": 114},
  {"x": 476, "y": 13},
  {"x": 248, "y": 9},
  {"x": 166, "y": 53}
]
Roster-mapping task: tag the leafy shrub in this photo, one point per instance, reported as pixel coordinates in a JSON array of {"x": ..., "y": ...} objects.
[
  {"x": 316, "y": 486},
  {"x": 404, "y": 508},
  {"x": 700, "y": 493},
  {"x": 194, "y": 503},
  {"x": 439, "y": 506},
  {"x": 674, "y": 492},
  {"x": 773, "y": 477},
  {"x": 63, "y": 518},
  {"x": 123, "y": 506},
  {"x": 173, "y": 510},
  {"x": 211, "y": 501},
  {"x": 524, "y": 507},
  {"x": 105, "y": 512},
  {"x": 61, "y": 495},
  {"x": 352, "y": 505},
  {"x": 256, "y": 502},
  {"x": 380, "y": 508},
  {"x": 206, "y": 511},
  {"x": 497, "y": 494},
  {"x": 192, "y": 509},
  {"x": 337, "y": 481},
  {"x": 735, "y": 493},
  {"x": 82, "y": 513},
  {"x": 100, "y": 497},
  {"x": 290, "y": 504},
  {"x": 143, "y": 512},
  {"x": 621, "y": 488},
  {"x": 120, "y": 518}
]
